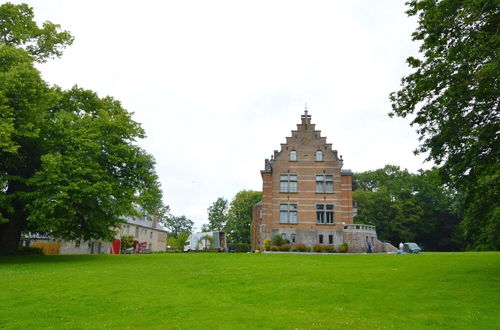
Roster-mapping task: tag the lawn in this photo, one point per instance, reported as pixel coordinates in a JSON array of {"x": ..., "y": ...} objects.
[{"x": 241, "y": 291}]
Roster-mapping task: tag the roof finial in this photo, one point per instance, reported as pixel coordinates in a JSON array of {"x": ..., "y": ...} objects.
[{"x": 305, "y": 109}]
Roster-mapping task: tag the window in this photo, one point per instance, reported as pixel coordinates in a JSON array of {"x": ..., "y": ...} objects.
[
  {"x": 136, "y": 232},
  {"x": 77, "y": 244},
  {"x": 294, "y": 238},
  {"x": 330, "y": 239},
  {"x": 151, "y": 234},
  {"x": 324, "y": 214},
  {"x": 320, "y": 239},
  {"x": 319, "y": 156},
  {"x": 127, "y": 230},
  {"x": 288, "y": 183},
  {"x": 288, "y": 213},
  {"x": 283, "y": 236},
  {"x": 293, "y": 156},
  {"x": 324, "y": 184}
]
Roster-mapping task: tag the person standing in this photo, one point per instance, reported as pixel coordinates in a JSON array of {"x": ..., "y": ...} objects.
[
  {"x": 401, "y": 246},
  {"x": 370, "y": 248}
]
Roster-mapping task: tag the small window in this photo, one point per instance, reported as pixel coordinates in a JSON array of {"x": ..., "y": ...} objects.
[
  {"x": 136, "y": 232},
  {"x": 320, "y": 239},
  {"x": 151, "y": 234},
  {"x": 330, "y": 239},
  {"x": 294, "y": 238},
  {"x": 77, "y": 244},
  {"x": 293, "y": 156},
  {"x": 319, "y": 156}
]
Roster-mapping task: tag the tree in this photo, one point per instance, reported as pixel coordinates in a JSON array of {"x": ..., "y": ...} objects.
[
  {"x": 177, "y": 225},
  {"x": 453, "y": 95},
  {"x": 217, "y": 215},
  {"x": 408, "y": 207},
  {"x": 178, "y": 242},
  {"x": 240, "y": 215},
  {"x": 69, "y": 165}
]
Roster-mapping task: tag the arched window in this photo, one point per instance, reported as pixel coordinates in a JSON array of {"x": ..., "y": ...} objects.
[
  {"x": 319, "y": 156},
  {"x": 293, "y": 156}
]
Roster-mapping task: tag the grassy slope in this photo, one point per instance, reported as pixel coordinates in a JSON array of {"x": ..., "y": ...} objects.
[{"x": 251, "y": 291}]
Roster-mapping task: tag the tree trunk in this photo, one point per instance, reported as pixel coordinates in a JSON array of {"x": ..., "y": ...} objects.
[{"x": 10, "y": 235}]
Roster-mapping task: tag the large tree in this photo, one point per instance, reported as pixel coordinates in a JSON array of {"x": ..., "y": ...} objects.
[
  {"x": 217, "y": 215},
  {"x": 408, "y": 207},
  {"x": 240, "y": 215},
  {"x": 453, "y": 96},
  {"x": 177, "y": 225},
  {"x": 69, "y": 163}
]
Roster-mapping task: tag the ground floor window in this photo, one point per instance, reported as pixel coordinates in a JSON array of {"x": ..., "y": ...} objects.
[
  {"x": 320, "y": 239},
  {"x": 288, "y": 213},
  {"x": 330, "y": 239},
  {"x": 324, "y": 213},
  {"x": 294, "y": 238}
]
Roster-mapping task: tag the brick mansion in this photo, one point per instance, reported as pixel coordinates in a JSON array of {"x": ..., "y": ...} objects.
[{"x": 307, "y": 196}]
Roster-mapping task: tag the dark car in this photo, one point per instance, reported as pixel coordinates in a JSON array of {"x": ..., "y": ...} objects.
[{"x": 411, "y": 248}]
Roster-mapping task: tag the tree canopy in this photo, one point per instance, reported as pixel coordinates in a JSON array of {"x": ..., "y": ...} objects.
[
  {"x": 217, "y": 215},
  {"x": 408, "y": 207},
  {"x": 240, "y": 215},
  {"x": 69, "y": 163},
  {"x": 453, "y": 96},
  {"x": 177, "y": 225}
]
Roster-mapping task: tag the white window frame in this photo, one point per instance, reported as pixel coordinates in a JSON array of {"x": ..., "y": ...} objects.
[
  {"x": 288, "y": 213},
  {"x": 319, "y": 155},
  {"x": 325, "y": 214},
  {"x": 288, "y": 183},
  {"x": 293, "y": 156},
  {"x": 324, "y": 184}
]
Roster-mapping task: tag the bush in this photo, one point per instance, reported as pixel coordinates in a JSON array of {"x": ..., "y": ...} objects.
[
  {"x": 294, "y": 249},
  {"x": 285, "y": 247},
  {"x": 240, "y": 247},
  {"x": 343, "y": 248},
  {"x": 330, "y": 248},
  {"x": 301, "y": 247},
  {"x": 318, "y": 248},
  {"x": 267, "y": 244},
  {"x": 126, "y": 242},
  {"x": 27, "y": 250},
  {"x": 277, "y": 240},
  {"x": 274, "y": 248},
  {"x": 308, "y": 249}
]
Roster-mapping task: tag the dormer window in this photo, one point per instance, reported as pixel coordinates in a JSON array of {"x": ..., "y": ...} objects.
[
  {"x": 293, "y": 156},
  {"x": 319, "y": 156}
]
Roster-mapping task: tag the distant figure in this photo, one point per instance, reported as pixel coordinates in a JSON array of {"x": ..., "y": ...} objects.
[
  {"x": 370, "y": 248},
  {"x": 401, "y": 246}
]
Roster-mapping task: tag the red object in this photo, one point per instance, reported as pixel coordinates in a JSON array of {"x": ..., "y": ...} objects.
[
  {"x": 115, "y": 246},
  {"x": 143, "y": 245}
]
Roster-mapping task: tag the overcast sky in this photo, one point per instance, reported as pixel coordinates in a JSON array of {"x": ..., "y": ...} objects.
[{"x": 218, "y": 85}]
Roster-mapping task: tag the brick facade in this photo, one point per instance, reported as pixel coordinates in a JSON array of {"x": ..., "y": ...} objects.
[{"x": 302, "y": 179}]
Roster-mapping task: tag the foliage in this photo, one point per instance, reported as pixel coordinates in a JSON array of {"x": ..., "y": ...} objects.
[
  {"x": 330, "y": 248},
  {"x": 275, "y": 248},
  {"x": 126, "y": 242},
  {"x": 19, "y": 29},
  {"x": 301, "y": 247},
  {"x": 69, "y": 162},
  {"x": 408, "y": 207},
  {"x": 240, "y": 215},
  {"x": 343, "y": 248},
  {"x": 452, "y": 95},
  {"x": 206, "y": 241},
  {"x": 177, "y": 225},
  {"x": 217, "y": 215},
  {"x": 318, "y": 248},
  {"x": 277, "y": 240},
  {"x": 29, "y": 250},
  {"x": 178, "y": 242},
  {"x": 240, "y": 247},
  {"x": 267, "y": 244},
  {"x": 285, "y": 247}
]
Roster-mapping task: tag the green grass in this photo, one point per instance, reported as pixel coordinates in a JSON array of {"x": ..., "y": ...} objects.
[{"x": 242, "y": 291}]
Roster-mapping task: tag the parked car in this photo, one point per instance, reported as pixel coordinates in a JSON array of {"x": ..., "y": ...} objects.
[{"x": 411, "y": 248}]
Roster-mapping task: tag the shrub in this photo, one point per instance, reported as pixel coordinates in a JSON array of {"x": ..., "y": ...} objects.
[
  {"x": 267, "y": 244},
  {"x": 126, "y": 242},
  {"x": 343, "y": 248},
  {"x": 308, "y": 249},
  {"x": 285, "y": 247},
  {"x": 318, "y": 248},
  {"x": 240, "y": 247},
  {"x": 277, "y": 240},
  {"x": 294, "y": 249},
  {"x": 27, "y": 250},
  {"x": 301, "y": 247},
  {"x": 330, "y": 248},
  {"x": 274, "y": 248}
]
